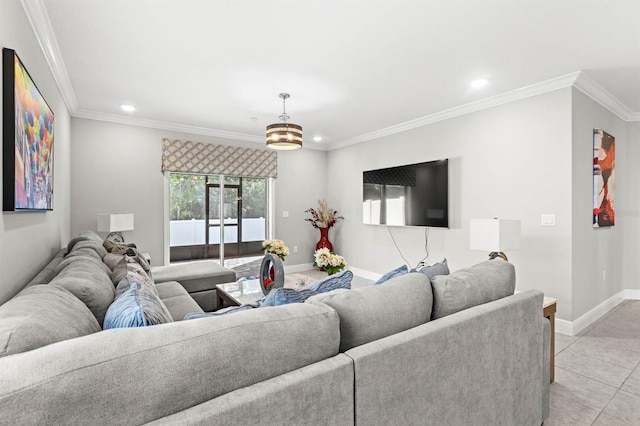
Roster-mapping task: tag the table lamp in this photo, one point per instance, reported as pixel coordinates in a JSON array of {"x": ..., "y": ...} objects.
[
  {"x": 115, "y": 223},
  {"x": 494, "y": 235}
]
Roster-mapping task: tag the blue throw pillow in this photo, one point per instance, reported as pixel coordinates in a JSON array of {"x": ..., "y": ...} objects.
[
  {"x": 436, "y": 269},
  {"x": 136, "y": 306},
  {"x": 401, "y": 270},
  {"x": 284, "y": 296},
  {"x": 332, "y": 282},
  {"x": 220, "y": 312}
]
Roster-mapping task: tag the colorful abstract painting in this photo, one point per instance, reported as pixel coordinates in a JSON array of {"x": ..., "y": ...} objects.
[
  {"x": 604, "y": 178},
  {"x": 28, "y": 140}
]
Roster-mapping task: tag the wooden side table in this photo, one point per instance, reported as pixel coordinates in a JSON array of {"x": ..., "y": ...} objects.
[{"x": 549, "y": 311}]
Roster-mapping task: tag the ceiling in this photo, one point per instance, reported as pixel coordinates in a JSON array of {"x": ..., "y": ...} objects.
[{"x": 355, "y": 69}]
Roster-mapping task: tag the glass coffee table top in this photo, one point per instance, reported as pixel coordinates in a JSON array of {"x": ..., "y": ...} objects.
[{"x": 247, "y": 291}]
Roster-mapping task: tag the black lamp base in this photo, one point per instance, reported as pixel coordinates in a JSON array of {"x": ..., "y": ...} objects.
[
  {"x": 499, "y": 254},
  {"x": 115, "y": 237}
]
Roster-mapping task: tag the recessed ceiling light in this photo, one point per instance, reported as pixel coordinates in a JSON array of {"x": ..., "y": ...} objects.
[
  {"x": 317, "y": 138},
  {"x": 127, "y": 108},
  {"x": 481, "y": 82}
]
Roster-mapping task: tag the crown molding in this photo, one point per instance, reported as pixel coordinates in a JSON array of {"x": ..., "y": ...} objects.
[
  {"x": 503, "y": 98},
  {"x": 175, "y": 127},
  {"x": 165, "y": 125},
  {"x": 596, "y": 92},
  {"x": 39, "y": 19}
]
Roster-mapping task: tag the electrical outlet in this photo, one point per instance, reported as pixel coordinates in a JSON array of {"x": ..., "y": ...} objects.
[
  {"x": 285, "y": 213},
  {"x": 295, "y": 249}
]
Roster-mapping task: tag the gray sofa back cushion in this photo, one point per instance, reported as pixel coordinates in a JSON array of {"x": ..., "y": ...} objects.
[
  {"x": 136, "y": 375},
  {"x": 49, "y": 271},
  {"x": 88, "y": 283},
  {"x": 92, "y": 245},
  {"x": 480, "y": 366},
  {"x": 481, "y": 283},
  {"x": 41, "y": 315},
  {"x": 370, "y": 313}
]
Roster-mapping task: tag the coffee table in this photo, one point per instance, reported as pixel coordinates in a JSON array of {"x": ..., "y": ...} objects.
[
  {"x": 249, "y": 291},
  {"x": 238, "y": 293}
]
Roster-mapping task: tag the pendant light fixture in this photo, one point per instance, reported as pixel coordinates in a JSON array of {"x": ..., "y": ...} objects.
[{"x": 283, "y": 135}]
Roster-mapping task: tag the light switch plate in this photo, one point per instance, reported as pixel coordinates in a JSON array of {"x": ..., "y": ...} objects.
[{"x": 548, "y": 220}]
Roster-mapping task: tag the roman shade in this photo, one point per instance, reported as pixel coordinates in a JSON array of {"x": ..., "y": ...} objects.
[{"x": 206, "y": 158}]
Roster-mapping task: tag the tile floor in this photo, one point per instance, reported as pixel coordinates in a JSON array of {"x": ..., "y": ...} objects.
[{"x": 598, "y": 372}]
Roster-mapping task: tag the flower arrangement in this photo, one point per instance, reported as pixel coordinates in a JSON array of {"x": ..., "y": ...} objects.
[
  {"x": 324, "y": 217},
  {"x": 276, "y": 247},
  {"x": 330, "y": 262}
]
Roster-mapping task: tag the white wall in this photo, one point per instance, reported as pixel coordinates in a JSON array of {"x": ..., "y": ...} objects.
[
  {"x": 596, "y": 250},
  {"x": 29, "y": 240},
  {"x": 117, "y": 168},
  {"x": 512, "y": 161},
  {"x": 630, "y": 215}
]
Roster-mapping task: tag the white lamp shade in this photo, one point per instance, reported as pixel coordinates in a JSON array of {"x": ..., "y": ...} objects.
[
  {"x": 494, "y": 235},
  {"x": 115, "y": 222}
]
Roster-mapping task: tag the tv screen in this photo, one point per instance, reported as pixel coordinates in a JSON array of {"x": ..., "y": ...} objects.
[{"x": 411, "y": 195}]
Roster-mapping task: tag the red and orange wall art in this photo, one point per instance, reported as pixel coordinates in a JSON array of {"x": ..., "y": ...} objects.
[
  {"x": 28, "y": 140},
  {"x": 604, "y": 178}
]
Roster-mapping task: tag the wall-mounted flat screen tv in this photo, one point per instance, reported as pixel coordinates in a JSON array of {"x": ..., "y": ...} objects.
[{"x": 411, "y": 195}]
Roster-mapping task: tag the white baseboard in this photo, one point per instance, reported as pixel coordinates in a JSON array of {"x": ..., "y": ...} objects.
[
  {"x": 290, "y": 269},
  {"x": 572, "y": 328},
  {"x": 365, "y": 274}
]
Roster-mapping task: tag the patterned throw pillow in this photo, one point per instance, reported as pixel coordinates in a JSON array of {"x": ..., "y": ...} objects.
[
  {"x": 284, "y": 296},
  {"x": 128, "y": 266},
  {"x": 220, "y": 312},
  {"x": 436, "y": 269},
  {"x": 135, "y": 306},
  {"x": 401, "y": 270},
  {"x": 333, "y": 282}
]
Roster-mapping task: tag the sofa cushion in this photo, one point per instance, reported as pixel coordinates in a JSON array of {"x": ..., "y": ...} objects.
[
  {"x": 84, "y": 236},
  {"x": 135, "y": 306},
  {"x": 481, "y": 283},
  {"x": 399, "y": 271},
  {"x": 88, "y": 283},
  {"x": 194, "y": 276},
  {"x": 49, "y": 271},
  {"x": 83, "y": 253},
  {"x": 372, "y": 312},
  {"x": 40, "y": 315},
  {"x": 177, "y": 300},
  {"x": 91, "y": 244}
]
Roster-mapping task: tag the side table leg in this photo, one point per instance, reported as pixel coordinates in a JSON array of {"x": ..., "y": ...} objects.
[
  {"x": 553, "y": 344},
  {"x": 220, "y": 303}
]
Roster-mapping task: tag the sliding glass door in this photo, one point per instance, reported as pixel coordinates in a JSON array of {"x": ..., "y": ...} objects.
[{"x": 217, "y": 217}]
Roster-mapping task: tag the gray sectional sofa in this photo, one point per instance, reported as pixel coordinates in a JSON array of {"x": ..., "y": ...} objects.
[{"x": 456, "y": 350}]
